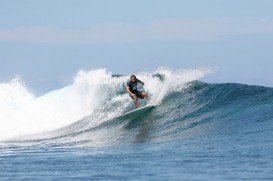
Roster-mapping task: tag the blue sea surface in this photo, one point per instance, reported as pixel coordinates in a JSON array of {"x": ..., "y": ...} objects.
[{"x": 205, "y": 132}]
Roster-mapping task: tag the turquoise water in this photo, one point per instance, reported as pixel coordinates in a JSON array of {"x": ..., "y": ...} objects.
[{"x": 204, "y": 132}]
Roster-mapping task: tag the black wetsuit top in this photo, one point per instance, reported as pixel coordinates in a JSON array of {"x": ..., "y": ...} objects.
[{"x": 133, "y": 88}]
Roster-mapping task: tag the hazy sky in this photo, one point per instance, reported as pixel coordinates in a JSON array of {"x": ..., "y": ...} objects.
[{"x": 47, "y": 42}]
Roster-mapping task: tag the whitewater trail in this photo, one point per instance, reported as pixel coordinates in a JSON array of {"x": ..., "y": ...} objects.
[{"x": 94, "y": 93}]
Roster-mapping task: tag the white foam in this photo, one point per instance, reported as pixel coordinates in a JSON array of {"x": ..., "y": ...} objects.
[
  {"x": 173, "y": 81},
  {"x": 21, "y": 113}
]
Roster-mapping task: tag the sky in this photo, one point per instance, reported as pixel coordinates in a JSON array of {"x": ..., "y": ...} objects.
[{"x": 48, "y": 42}]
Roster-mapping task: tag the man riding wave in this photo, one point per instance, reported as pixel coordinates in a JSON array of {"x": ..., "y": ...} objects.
[{"x": 134, "y": 93}]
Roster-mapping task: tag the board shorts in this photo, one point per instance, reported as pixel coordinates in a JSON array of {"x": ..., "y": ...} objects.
[{"x": 138, "y": 94}]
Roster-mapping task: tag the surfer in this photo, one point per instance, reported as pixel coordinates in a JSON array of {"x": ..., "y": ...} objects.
[{"x": 134, "y": 93}]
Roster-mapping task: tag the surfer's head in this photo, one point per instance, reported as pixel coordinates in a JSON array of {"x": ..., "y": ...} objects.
[{"x": 133, "y": 78}]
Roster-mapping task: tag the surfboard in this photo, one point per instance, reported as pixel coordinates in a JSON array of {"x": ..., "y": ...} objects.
[{"x": 137, "y": 112}]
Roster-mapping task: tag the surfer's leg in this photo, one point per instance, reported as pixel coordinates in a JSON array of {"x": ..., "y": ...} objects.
[
  {"x": 136, "y": 101},
  {"x": 145, "y": 95}
]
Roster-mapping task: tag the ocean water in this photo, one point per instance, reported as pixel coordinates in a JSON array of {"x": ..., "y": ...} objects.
[{"x": 197, "y": 130}]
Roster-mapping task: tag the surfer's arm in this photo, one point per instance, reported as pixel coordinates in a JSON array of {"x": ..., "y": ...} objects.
[{"x": 128, "y": 90}]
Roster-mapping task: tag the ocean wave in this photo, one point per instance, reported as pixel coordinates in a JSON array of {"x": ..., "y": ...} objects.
[
  {"x": 197, "y": 110},
  {"x": 95, "y": 97}
]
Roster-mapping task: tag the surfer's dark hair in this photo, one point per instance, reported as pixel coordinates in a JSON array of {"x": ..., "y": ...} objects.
[{"x": 133, "y": 76}]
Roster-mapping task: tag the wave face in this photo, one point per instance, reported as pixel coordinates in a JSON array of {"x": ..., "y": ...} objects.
[{"x": 196, "y": 111}]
